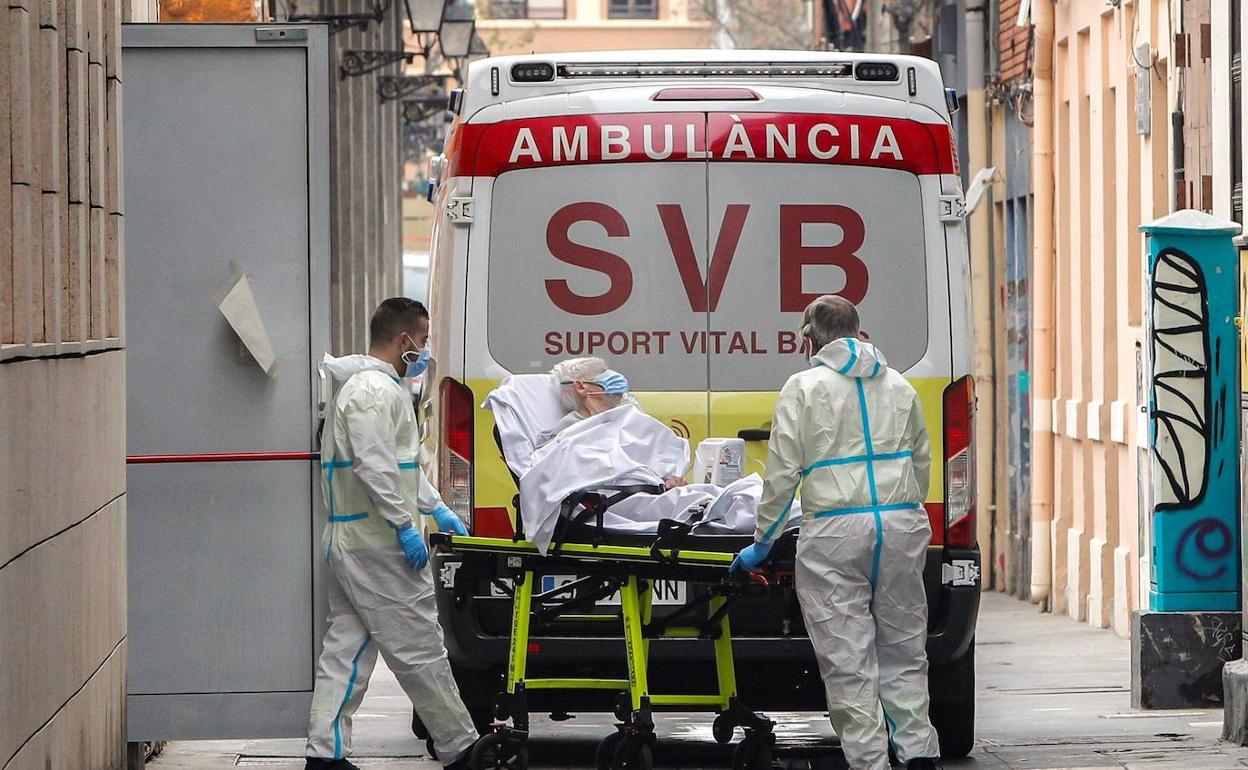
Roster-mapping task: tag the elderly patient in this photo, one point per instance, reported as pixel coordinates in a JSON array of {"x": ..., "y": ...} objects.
[{"x": 588, "y": 387}]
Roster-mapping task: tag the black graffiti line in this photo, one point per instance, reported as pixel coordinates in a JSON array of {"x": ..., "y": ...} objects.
[
  {"x": 1184, "y": 357},
  {"x": 1182, "y": 266},
  {"x": 1179, "y": 329},
  {"x": 1182, "y": 493},
  {"x": 1198, "y": 422},
  {"x": 1183, "y": 270},
  {"x": 1180, "y": 309},
  {"x": 1174, "y": 287}
]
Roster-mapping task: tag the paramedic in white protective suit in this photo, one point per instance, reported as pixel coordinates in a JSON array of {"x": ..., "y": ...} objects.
[
  {"x": 381, "y": 596},
  {"x": 850, "y": 431}
]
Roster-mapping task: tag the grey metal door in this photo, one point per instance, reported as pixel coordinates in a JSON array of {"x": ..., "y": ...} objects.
[{"x": 225, "y": 174}]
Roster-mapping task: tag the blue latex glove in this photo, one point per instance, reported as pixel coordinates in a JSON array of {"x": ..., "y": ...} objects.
[
  {"x": 448, "y": 522},
  {"x": 750, "y": 557},
  {"x": 414, "y": 548}
]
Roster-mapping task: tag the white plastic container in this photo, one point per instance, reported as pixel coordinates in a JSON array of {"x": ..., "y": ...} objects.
[{"x": 719, "y": 461}]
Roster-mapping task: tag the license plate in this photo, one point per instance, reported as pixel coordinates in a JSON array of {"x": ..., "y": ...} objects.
[{"x": 666, "y": 592}]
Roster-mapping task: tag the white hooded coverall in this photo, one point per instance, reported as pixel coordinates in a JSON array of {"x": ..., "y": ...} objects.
[
  {"x": 372, "y": 484},
  {"x": 851, "y": 432}
]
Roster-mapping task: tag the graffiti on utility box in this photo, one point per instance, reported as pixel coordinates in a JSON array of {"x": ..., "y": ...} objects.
[{"x": 1193, "y": 441}]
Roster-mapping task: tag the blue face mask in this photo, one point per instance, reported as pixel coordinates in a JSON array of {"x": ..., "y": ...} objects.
[{"x": 417, "y": 363}]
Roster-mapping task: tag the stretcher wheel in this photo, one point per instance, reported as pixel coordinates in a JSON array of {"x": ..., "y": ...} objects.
[
  {"x": 751, "y": 754},
  {"x": 605, "y": 753},
  {"x": 632, "y": 753},
  {"x": 722, "y": 729},
  {"x": 490, "y": 752}
]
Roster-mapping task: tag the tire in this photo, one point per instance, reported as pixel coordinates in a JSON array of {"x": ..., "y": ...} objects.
[
  {"x": 632, "y": 753},
  {"x": 722, "y": 730},
  {"x": 751, "y": 754},
  {"x": 954, "y": 719},
  {"x": 486, "y": 755},
  {"x": 604, "y": 755}
]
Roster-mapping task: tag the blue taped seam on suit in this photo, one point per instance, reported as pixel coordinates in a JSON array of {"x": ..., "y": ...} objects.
[
  {"x": 853, "y": 357},
  {"x": 863, "y": 509},
  {"x": 355, "y": 673},
  {"x": 856, "y": 459},
  {"x": 349, "y": 516},
  {"x": 875, "y": 495}
]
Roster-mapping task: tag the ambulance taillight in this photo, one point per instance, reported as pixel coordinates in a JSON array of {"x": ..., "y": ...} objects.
[
  {"x": 959, "y": 455},
  {"x": 456, "y": 451}
]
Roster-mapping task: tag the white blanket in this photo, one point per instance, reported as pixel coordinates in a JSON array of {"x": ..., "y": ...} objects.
[
  {"x": 619, "y": 447},
  {"x": 622, "y": 446}
]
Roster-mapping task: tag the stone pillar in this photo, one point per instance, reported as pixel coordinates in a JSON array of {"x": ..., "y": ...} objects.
[{"x": 366, "y": 175}]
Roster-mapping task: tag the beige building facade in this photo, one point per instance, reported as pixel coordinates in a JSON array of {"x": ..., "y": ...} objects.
[
  {"x": 62, "y": 385},
  {"x": 1103, "y": 92},
  {"x": 549, "y": 26}
]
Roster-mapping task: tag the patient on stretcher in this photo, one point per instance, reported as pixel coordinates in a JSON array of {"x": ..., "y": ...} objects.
[
  {"x": 555, "y": 455},
  {"x": 588, "y": 387}
]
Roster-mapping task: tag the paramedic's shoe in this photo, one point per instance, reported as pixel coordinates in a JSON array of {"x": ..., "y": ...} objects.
[
  {"x": 923, "y": 763},
  {"x": 315, "y": 763}
]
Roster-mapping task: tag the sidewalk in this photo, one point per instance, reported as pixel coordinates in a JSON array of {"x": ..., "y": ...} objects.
[{"x": 1054, "y": 694}]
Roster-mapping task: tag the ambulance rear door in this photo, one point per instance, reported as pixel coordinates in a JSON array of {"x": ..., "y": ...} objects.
[
  {"x": 811, "y": 193},
  {"x": 597, "y": 243}
]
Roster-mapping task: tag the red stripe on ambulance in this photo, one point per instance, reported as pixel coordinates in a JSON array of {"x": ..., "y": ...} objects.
[{"x": 490, "y": 149}]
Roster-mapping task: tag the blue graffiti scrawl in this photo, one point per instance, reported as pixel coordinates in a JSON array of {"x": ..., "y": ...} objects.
[{"x": 1193, "y": 448}]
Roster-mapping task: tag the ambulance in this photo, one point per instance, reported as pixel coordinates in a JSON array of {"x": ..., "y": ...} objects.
[{"x": 673, "y": 212}]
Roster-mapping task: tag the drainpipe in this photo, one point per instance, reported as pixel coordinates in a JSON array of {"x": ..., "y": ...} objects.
[
  {"x": 981, "y": 283},
  {"x": 1042, "y": 351}
]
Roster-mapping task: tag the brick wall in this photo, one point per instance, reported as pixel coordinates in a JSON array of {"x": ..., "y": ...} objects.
[{"x": 1012, "y": 41}]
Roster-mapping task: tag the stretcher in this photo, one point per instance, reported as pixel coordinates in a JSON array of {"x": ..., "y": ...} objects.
[{"x": 630, "y": 564}]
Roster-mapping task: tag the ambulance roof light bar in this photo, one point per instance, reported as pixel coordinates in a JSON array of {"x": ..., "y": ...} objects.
[{"x": 705, "y": 70}]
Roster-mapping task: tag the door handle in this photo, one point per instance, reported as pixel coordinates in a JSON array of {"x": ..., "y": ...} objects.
[{"x": 755, "y": 434}]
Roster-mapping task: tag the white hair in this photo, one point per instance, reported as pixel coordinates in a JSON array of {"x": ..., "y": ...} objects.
[{"x": 579, "y": 369}]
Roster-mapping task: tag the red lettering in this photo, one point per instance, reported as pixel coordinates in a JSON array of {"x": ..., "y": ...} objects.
[
  {"x": 703, "y": 294},
  {"x": 617, "y": 343},
  {"x": 553, "y": 344},
  {"x": 794, "y": 255},
  {"x": 786, "y": 343},
  {"x": 611, "y": 265}
]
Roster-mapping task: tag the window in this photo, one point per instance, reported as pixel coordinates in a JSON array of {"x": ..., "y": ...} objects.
[
  {"x": 527, "y": 9},
  {"x": 633, "y": 9}
]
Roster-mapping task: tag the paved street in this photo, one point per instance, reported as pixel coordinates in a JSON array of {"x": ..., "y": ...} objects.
[{"x": 1053, "y": 694}]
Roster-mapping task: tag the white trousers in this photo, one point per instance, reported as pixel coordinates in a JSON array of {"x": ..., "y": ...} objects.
[
  {"x": 377, "y": 604},
  {"x": 860, "y": 585}
]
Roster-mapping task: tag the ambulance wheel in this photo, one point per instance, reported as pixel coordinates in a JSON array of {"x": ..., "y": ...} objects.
[
  {"x": 632, "y": 753},
  {"x": 489, "y": 753},
  {"x": 722, "y": 730},
  {"x": 605, "y": 752},
  {"x": 751, "y": 754}
]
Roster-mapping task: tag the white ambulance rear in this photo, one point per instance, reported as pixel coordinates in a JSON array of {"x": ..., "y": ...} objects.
[{"x": 674, "y": 212}]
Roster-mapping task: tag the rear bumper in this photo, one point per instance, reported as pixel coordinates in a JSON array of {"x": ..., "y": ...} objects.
[{"x": 773, "y": 672}]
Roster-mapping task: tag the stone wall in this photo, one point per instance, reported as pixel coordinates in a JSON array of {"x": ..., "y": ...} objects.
[{"x": 62, "y": 385}]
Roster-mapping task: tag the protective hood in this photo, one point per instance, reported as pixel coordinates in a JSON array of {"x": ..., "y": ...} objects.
[
  {"x": 341, "y": 369},
  {"x": 852, "y": 358}
]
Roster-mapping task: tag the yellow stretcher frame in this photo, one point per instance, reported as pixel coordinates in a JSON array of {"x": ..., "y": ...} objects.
[{"x": 633, "y": 566}]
